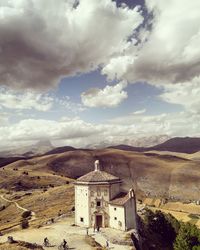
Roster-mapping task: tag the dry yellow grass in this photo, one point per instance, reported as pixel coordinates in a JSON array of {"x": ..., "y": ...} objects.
[
  {"x": 45, "y": 193},
  {"x": 19, "y": 246},
  {"x": 49, "y": 204},
  {"x": 191, "y": 208},
  {"x": 181, "y": 211},
  {"x": 46, "y": 205},
  {"x": 194, "y": 156},
  {"x": 154, "y": 174},
  {"x": 151, "y": 175},
  {"x": 10, "y": 218}
]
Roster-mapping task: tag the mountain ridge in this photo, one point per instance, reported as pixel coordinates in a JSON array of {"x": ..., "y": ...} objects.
[
  {"x": 188, "y": 145},
  {"x": 151, "y": 175}
]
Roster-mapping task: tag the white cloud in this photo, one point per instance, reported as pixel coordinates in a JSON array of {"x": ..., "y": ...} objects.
[
  {"x": 36, "y": 129},
  {"x": 29, "y": 100},
  {"x": 139, "y": 112},
  {"x": 110, "y": 96},
  {"x": 169, "y": 51},
  {"x": 172, "y": 124},
  {"x": 43, "y": 41},
  {"x": 25, "y": 100},
  {"x": 70, "y": 105},
  {"x": 4, "y": 117},
  {"x": 78, "y": 133},
  {"x": 117, "y": 67},
  {"x": 185, "y": 94}
]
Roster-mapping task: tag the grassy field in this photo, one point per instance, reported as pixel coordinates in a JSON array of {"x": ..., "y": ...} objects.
[
  {"x": 19, "y": 246},
  {"x": 47, "y": 194},
  {"x": 155, "y": 174},
  {"x": 186, "y": 212}
]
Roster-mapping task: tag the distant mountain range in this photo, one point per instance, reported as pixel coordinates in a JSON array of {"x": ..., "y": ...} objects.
[
  {"x": 177, "y": 144},
  {"x": 38, "y": 148},
  {"x": 44, "y": 147},
  {"x": 145, "y": 141}
]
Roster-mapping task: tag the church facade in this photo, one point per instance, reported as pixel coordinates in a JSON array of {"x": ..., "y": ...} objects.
[{"x": 99, "y": 201}]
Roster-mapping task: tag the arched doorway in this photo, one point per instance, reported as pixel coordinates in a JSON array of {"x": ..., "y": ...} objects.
[{"x": 99, "y": 220}]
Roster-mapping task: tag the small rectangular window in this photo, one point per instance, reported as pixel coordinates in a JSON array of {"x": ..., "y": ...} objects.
[
  {"x": 115, "y": 208},
  {"x": 115, "y": 218},
  {"x": 98, "y": 203},
  {"x": 81, "y": 219}
]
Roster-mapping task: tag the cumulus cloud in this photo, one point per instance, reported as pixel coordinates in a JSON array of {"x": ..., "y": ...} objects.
[
  {"x": 169, "y": 53},
  {"x": 31, "y": 100},
  {"x": 172, "y": 124},
  {"x": 70, "y": 105},
  {"x": 4, "y": 117},
  {"x": 139, "y": 112},
  {"x": 25, "y": 100},
  {"x": 78, "y": 133},
  {"x": 43, "y": 41},
  {"x": 36, "y": 129},
  {"x": 110, "y": 96},
  {"x": 185, "y": 94}
]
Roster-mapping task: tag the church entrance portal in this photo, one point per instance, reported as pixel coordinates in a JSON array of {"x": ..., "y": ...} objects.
[{"x": 99, "y": 220}]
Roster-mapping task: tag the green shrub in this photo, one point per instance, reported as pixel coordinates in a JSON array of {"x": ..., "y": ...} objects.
[
  {"x": 196, "y": 248},
  {"x": 24, "y": 224},
  {"x": 2, "y": 207},
  {"x": 26, "y": 214},
  {"x": 194, "y": 216},
  {"x": 188, "y": 237}
]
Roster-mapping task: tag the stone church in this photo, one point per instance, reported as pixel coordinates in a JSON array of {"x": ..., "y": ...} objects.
[{"x": 99, "y": 201}]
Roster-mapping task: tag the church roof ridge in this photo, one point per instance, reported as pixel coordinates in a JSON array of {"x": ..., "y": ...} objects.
[{"x": 98, "y": 176}]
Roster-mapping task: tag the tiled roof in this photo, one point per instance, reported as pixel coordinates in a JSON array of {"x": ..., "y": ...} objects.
[
  {"x": 120, "y": 199},
  {"x": 98, "y": 176}
]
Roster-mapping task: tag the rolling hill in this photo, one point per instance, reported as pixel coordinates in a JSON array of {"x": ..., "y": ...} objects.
[
  {"x": 44, "y": 184},
  {"x": 177, "y": 144},
  {"x": 150, "y": 174}
]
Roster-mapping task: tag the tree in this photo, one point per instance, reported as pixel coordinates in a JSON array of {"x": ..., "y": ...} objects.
[
  {"x": 196, "y": 248},
  {"x": 162, "y": 225},
  {"x": 188, "y": 237}
]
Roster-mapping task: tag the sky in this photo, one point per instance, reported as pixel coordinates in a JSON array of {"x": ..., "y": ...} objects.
[{"x": 88, "y": 72}]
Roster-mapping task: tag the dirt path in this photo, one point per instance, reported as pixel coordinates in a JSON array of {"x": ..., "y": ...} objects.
[
  {"x": 56, "y": 232},
  {"x": 102, "y": 241},
  {"x": 33, "y": 217}
]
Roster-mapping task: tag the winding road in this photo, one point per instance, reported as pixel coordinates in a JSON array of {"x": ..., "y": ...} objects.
[{"x": 33, "y": 217}]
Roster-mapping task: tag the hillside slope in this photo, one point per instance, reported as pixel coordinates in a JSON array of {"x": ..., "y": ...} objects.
[
  {"x": 150, "y": 174},
  {"x": 177, "y": 144}
]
